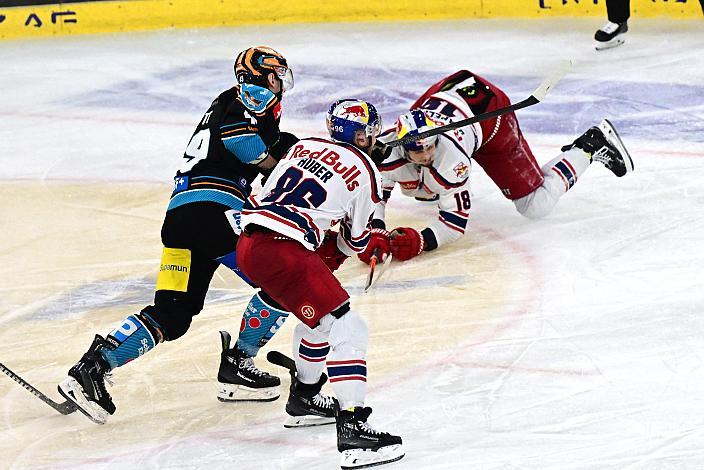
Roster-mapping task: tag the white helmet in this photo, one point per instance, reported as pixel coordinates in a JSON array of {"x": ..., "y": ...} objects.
[{"x": 415, "y": 122}]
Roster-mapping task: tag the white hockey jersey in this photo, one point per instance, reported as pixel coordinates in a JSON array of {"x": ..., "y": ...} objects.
[
  {"x": 446, "y": 180},
  {"x": 317, "y": 183}
]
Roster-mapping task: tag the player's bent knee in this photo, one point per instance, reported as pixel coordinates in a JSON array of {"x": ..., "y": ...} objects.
[
  {"x": 536, "y": 205},
  {"x": 174, "y": 322},
  {"x": 349, "y": 330}
]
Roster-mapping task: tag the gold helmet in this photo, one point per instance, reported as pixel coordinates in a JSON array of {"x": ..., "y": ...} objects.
[{"x": 253, "y": 65}]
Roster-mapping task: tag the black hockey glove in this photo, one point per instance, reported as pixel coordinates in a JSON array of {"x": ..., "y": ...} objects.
[
  {"x": 380, "y": 152},
  {"x": 281, "y": 146}
]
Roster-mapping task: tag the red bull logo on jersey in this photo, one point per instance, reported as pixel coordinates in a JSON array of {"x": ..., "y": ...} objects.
[
  {"x": 331, "y": 159},
  {"x": 461, "y": 170}
]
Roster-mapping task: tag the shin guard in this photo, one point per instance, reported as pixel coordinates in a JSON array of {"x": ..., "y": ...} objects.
[
  {"x": 260, "y": 321},
  {"x": 133, "y": 338},
  {"x": 347, "y": 365},
  {"x": 310, "y": 350}
]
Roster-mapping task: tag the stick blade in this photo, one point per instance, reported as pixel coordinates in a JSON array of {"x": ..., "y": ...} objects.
[
  {"x": 370, "y": 276},
  {"x": 374, "y": 279},
  {"x": 280, "y": 359},
  {"x": 552, "y": 79}
]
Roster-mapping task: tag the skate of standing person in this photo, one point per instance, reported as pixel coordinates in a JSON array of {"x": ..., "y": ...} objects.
[{"x": 613, "y": 33}]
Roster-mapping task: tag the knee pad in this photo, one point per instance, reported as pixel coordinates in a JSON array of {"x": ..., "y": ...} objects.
[
  {"x": 537, "y": 204},
  {"x": 173, "y": 316},
  {"x": 350, "y": 330}
]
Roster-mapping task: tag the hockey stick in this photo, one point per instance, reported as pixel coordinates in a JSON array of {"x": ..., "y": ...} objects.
[
  {"x": 371, "y": 280},
  {"x": 537, "y": 96},
  {"x": 372, "y": 266},
  {"x": 282, "y": 360},
  {"x": 65, "y": 408}
]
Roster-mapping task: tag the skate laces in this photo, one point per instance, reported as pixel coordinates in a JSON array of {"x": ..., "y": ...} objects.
[
  {"x": 247, "y": 363},
  {"x": 609, "y": 27},
  {"x": 366, "y": 427},
  {"x": 323, "y": 401},
  {"x": 602, "y": 155}
]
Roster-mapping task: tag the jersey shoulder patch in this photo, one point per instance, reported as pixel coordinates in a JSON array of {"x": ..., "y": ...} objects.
[{"x": 451, "y": 168}]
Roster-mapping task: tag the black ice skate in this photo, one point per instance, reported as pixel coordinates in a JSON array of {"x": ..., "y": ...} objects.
[
  {"x": 605, "y": 146},
  {"x": 306, "y": 406},
  {"x": 85, "y": 384},
  {"x": 360, "y": 444},
  {"x": 240, "y": 380},
  {"x": 611, "y": 35}
]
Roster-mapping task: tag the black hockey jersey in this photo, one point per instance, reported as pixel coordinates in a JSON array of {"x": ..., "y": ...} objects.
[{"x": 220, "y": 161}]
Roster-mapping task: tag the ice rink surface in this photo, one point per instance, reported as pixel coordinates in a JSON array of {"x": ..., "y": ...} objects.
[{"x": 573, "y": 342}]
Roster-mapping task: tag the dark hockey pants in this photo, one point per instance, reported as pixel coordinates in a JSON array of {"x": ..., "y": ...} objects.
[{"x": 203, "y": 229}]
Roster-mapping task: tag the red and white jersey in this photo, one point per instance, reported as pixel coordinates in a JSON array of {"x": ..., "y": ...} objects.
[
  {"x": 444, "y": 107},
  {"x": 500, "y": 148},
  {"x": 451, "y": 99},
  {"x": 317, "y": 183},
  {"x": 447, "y": 180}
]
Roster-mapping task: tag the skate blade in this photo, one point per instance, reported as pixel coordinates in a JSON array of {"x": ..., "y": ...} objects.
[
  {"x": 617, "y": 41},
  {"x": 364, "y": 458},
  {"x": 610, "y": 132},
  {"x": 233, "y": 392},
  {"x": 71, "y": 390},
  {"x": 308, "y": 421}
]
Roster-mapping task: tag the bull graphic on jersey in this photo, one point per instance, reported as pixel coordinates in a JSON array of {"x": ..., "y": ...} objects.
[{"x": 461, "y": 170}]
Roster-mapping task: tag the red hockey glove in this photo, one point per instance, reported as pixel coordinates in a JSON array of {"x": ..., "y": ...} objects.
[
  {"x": 379, "y": 242},
  {"x": 329, "y": 253},
  {"x": 406, "y": 243}
]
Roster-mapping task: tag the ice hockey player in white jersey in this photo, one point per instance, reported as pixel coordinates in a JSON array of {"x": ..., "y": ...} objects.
[
  {"x": 437, "y": 168},
  {"x": 288, "y": 249},
  {"x": 432, "y": 169}
]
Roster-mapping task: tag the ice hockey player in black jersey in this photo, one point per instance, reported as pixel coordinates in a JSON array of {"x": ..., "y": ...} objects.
[{"x": 237, "y": 139}]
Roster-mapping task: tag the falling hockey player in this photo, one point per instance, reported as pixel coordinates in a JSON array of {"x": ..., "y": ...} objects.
[
  {"x": 237, "y": 139},
  {"x": 287, "y": 249},
  {"x": 437, "y": 168}
]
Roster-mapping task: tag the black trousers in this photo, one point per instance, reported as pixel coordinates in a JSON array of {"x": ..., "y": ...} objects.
[
  {"x": 202, "y": 228},
  {"x": 619, "y": 10}
]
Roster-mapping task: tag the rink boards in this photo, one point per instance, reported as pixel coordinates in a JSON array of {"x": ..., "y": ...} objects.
[{"x": 39, "y": 19}]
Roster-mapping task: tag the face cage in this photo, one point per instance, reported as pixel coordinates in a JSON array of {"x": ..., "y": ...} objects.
[
  {"x": 286, "y": 76},
  {"x": 374, "y": 129},
  {"x": 421, "y": 144}
]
